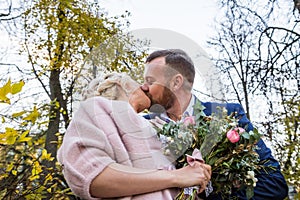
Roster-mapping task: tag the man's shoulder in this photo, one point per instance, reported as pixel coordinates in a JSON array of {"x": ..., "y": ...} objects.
[
  {"x": 221, "y": 104},
  {"x": 215, "y": 106}
]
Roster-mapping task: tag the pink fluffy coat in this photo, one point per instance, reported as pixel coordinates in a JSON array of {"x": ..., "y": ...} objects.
[{"x": 104, "y": 132}]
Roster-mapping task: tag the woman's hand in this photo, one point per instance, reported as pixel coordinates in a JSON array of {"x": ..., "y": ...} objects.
[{"x": 198, "y": 174}]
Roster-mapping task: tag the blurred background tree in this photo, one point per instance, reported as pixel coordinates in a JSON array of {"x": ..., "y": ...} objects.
[
  {"x": 55, "y": 37},
  {"x": 258, "y": 51}
]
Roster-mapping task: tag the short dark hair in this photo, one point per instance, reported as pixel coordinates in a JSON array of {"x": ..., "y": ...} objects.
[{"x": 178, "y": 60}]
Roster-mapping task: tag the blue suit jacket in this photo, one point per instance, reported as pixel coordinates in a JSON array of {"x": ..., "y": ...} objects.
[{"x": 271, "y": 185}]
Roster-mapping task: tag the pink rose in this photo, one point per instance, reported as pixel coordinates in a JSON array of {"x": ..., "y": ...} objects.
[
  {"x": 233, "y": 135},
  {"x": 189, "y": 120}
]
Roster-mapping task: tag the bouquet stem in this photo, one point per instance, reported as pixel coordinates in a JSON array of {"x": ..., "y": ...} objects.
[{"x": 183, "y": 196}]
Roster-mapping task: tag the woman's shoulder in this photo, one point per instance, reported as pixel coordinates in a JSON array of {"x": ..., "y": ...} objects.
[
  {"x": 100, "y": 105},
  {"x": 103, "y": 102}
]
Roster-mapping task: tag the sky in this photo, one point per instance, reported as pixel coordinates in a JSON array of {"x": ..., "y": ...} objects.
[{"x": 191, "y": 18}]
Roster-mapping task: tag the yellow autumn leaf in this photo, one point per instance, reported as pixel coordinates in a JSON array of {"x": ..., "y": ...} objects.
[
  {"x": 18, "y": 114},
  {"x": 10, "y": 88},
  {"x": 28, "y": 161},
  {"x": 34, "y": 177},
  {"x": 49, "y": 177},
  {"x": 46, "y": 156},
  {"x": 40, "y": 190},
  {"x": 14, "y": 172},
  {"x": 36, "y": 170},
  {"x": 34, "y": 196},
  {"x": 17, "y": 87},
  {"x": 9, "y": 137},
  {"x": 29, "y": 143},
  {"x": 4, "y": 90},
  {"x": 10, "y": 167},
  {"x": 33, "y": 115},
  {"x": 56, "y": 104},
  {"x": 23, "y": 137}
]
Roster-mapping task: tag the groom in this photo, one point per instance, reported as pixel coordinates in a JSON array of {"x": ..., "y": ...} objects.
[{"x": 168, "y": 81}]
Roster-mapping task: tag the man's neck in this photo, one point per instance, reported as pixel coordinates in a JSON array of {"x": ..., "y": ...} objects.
[
  {"x": 176, "y": 111},
  {"x": 184, "y": 100}
]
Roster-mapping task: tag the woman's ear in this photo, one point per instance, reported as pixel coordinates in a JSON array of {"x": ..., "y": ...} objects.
[{"x": 177, "y": 82}]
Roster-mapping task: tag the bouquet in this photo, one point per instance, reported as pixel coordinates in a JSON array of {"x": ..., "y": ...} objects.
[{"x": 226, "y": 147}]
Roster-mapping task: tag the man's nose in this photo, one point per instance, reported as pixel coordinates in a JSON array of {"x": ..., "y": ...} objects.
[{"x": 145, "y": 87}]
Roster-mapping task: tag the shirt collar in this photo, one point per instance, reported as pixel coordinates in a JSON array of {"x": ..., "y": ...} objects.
[{"x": 190, "y": 109}]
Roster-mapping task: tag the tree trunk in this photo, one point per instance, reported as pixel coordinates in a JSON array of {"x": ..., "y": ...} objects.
[{"x": 54, "y": 116}]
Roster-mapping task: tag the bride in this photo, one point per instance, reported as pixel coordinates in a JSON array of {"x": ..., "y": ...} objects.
[{"x": 110, "y": 151}]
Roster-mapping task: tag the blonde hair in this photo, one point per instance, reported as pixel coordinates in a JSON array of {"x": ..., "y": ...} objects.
[{"x": 108, "y": 86}]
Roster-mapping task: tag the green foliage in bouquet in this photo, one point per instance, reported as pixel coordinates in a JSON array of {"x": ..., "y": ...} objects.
[{"x": 229, "y": 149}]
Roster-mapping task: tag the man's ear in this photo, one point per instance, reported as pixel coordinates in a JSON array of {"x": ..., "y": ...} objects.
[{"x": 177, "y": 82}]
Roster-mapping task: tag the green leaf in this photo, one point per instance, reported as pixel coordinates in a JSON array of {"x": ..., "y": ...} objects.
[
  {"x": 198, "y": 106},
  {"x": 226, "y": 164},
  {"x": 211, "y": 160},
  {"x": 210, "y": 141},
  {"x": 246, "y": 135},
  {"x": 249, "y": 192}
]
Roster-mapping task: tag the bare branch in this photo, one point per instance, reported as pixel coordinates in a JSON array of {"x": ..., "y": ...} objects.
[{"x": 8, "y": 11}]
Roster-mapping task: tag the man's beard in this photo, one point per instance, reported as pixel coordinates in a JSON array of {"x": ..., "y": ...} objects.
[{"x": 161, "y": 105}]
